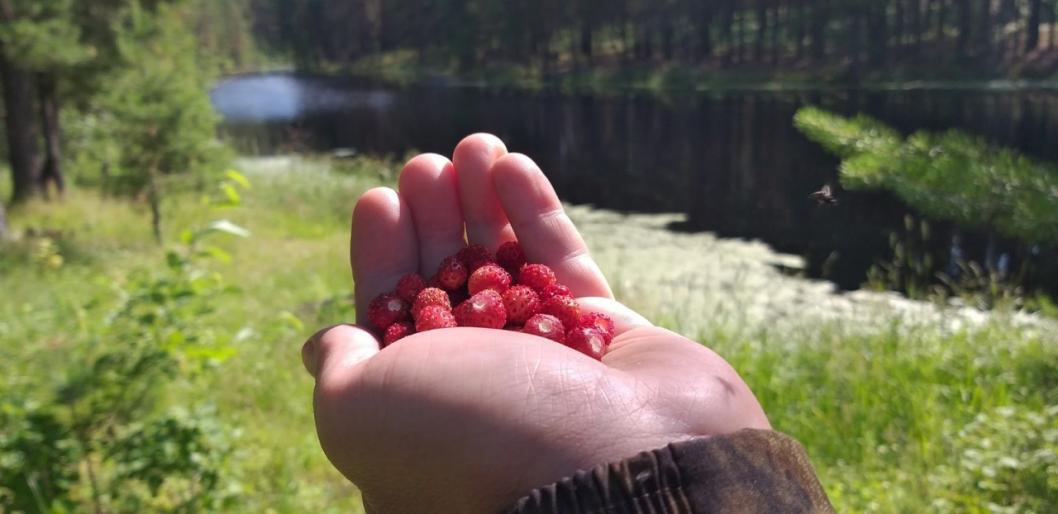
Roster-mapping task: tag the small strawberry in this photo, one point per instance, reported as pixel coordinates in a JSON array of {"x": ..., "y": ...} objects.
[
  {"x": 489, "y": 276},
  {"x": 452, "y": 274},
  {"x": 387, "y": 309},
  {"x": 554, "y": 290},
  {"x": 409, "y": 286},
  {"x": 474, "y": 257},
  {"x": 430, "y": 296},
  {"x": 484, "y": 310},
  {"x": 536, "y": 276},
  {"x": 511, "y": 256},
  {"x": 587, "y": 340},
  {"x": 600, "y": 322},
  {"x": 564, "y": 308},
  {"x": 521, "y": 304},
  {"x": 397, "y": 331},
  {"x": 434, "y": 317},
  {"x": 546, "y": 326}
]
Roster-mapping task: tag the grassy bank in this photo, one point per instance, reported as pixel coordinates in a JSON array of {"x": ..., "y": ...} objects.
[{"x": 899, "y": 417}]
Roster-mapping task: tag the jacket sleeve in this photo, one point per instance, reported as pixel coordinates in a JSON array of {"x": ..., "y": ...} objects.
[{"x": 748, "y": 471}]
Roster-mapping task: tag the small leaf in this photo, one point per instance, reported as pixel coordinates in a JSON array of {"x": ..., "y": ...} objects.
[
  {"x": 228, "y": 227},
  {"x": 238, "y": 178},
  {"x": 231, "y": 194}
]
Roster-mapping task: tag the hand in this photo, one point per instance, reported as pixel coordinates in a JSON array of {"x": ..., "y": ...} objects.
[{"x": 469, "y": 420}]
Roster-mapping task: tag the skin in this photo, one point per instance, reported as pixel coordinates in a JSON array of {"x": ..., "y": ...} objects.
[{"x": 473, "y": 419}]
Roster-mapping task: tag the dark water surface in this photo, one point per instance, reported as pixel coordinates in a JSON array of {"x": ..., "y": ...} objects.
[{"x": 733, "y": 162}]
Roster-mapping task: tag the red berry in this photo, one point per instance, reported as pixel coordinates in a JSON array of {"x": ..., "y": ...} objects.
[
  {"x": 546, "y": 326},
  {"x": 453, "y": 274},
  {"x": 409, "y": 286},
  {"x": 564, "y": 308},
  {"x": 489, "y": 276},
  {"x": 588, "y": 341},
  {"x": 554, "y": 290},
  {"x": 536, "y": 276},
  {"x": 474, "y": 257},
  {"x": 431, "y": 296},
  {"x": 435, "y": 317},
  {"x": 521, "y": 304},
  {"x": 484, "y": 310},
  {"x": 600, "y": 322},
  {"x": 511, "y": 256},
  {"x": 387, "y": 309},
  {"x": 397, "y": 331}
]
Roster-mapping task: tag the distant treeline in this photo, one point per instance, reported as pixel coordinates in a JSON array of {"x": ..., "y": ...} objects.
[{"x": 988, "y": 35}]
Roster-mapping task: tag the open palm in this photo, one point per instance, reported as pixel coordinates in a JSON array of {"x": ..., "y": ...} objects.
[{"x": 469, "y": 420}]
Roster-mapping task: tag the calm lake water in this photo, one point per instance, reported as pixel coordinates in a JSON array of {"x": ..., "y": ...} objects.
[{"x": 732, "y": 162}]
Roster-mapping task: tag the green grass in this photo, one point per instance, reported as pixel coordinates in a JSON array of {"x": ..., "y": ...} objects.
[{"x": 904, "y": 419}]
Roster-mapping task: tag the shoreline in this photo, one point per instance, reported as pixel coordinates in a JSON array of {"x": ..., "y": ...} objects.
[
  {"x": 704, "y": 282},
  {"x": 587, "y": 83}
]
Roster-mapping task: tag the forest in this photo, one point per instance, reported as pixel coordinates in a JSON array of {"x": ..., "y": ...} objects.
[{"x": 978, "y": 36}]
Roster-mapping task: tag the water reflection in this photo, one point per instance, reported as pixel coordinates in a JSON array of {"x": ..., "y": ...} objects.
[
  {"x": 732, "y": 162},
  {"x": 276, "y": 98}
]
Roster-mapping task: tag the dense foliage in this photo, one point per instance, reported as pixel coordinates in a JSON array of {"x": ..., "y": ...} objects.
[
  {"x": 124, "y": 79},
  {"x": 105, "y": 433},
  {"x": 951, "y": 175},
  {"x": 847, "y": 34}
]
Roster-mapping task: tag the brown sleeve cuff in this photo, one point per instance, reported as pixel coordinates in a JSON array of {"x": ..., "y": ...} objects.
[{"x": 748, "y": 471}]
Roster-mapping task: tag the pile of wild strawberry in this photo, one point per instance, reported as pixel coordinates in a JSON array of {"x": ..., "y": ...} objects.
[{"x": 500, "y": 292}]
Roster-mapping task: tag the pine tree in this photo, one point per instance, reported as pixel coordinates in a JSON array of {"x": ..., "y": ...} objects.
[{"x": 158, "y": 110}]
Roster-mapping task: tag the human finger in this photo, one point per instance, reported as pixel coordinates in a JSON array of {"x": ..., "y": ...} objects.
[
  {"x": 545, "y": 232},
  {"x": 383, "y": 246}
]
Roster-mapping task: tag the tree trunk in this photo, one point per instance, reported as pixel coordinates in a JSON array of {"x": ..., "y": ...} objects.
[
  {"x": 727, "y": 26},
  {"x": 878, "y": 35},
  {"x": 1051, "y": 33},
  {"x": 984, "y": 27},
  {"x": 819, "y": 27},
  {"x": 668, "y": 37},
  {"x": 762, "y": 30},
  {"x": 776, "y": 24},
  {"x": 916, "y": 26},
  {"x": 802, "y": 20},
  {"x": 856, "y": 28},
  {"x": 898, "y": 23},
  {"x": 155, "y": 200},
  {"x": 942, "y": 19},
  {"x": 3, "y": 223},
  {"x": 21, "y": 124},
  {"x": 705, "y": 37},
  {"x": 586, "y": 38},
  {"x": 51, "y": 172},
  {"x": 622, "y": 26},
  {"x": 965, "y": 19},
  {"x": 1032, "y": 36},
  {"x": 741, "y": 39}
]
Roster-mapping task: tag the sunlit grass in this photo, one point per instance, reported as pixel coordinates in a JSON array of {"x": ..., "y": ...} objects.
[{"x": 881, "y": 411}]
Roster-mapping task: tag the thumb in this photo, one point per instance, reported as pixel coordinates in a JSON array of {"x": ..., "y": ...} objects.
[{"x": 337, "y": 346}]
